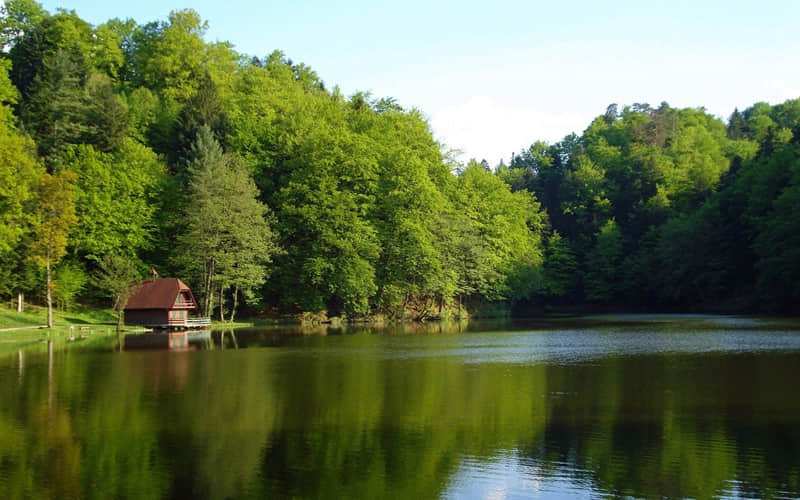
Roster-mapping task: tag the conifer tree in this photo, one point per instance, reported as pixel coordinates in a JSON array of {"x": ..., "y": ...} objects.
[{"x": 228, "y": 241}]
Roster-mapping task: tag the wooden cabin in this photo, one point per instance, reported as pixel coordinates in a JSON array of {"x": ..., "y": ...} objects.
[{"x": 163, "y": 303}]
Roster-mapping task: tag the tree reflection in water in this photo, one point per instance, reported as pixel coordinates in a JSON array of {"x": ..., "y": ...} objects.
[{"x": 356, "y": 416}]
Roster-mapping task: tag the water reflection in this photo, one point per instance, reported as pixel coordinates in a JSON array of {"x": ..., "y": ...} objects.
[
  {"x": 582, "y": 410},
  {"x": 224, "y": 336}
]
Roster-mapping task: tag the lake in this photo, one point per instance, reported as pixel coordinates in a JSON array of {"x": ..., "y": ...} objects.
[{"x": 641, "y": 406}]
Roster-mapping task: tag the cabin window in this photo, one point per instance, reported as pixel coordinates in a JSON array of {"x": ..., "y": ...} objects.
[{"x": 179, "y": 298}]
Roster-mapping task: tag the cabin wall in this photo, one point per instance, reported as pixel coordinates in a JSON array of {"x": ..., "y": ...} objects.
[{"x": 147, "y": 317}]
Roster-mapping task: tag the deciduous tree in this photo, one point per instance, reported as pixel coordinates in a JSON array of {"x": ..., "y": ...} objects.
[
  {"x": 54, "y": 219},
  {"x": 117, "y": 276}
]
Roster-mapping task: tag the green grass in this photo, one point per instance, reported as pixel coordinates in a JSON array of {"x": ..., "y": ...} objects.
[
  {"x": 225, "y": 325},
  {"x": 90, "y": 327},
  {"x": 85, "y": 322},
  {"x": 33, "y": 316},
  {"x": 9, "y": 318}
]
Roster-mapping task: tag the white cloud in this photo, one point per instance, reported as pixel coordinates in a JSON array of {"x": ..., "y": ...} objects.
[
  {"x": 777, "y": 90},
  {"x": 483, "y": 128}
]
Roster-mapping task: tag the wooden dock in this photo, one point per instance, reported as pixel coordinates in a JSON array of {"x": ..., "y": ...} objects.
[
  {"x": 184, "y": 323},
  {"x": 198, "y": 322}
]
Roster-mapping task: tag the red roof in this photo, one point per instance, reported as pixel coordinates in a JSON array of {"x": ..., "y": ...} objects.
[{"x": 159, "y": 294}]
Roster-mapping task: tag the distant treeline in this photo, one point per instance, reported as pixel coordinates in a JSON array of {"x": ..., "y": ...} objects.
[
  {"x": 671, "y": 208},
  {"x": 256, "y": 184}
]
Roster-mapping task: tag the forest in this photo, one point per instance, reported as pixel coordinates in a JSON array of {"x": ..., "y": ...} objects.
[{"x": 127, "y": 147}]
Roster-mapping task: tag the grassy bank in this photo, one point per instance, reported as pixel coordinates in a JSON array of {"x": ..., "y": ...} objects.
[
  {"x": 74, "y": 324},
  {"x": 34, "y": 316},
  {"x": 77, "y": 325}
]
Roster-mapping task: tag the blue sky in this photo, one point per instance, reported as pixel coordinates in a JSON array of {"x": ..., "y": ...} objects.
[{"x": 493, "y": 77}]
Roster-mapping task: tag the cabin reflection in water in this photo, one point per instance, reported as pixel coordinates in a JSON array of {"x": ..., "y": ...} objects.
[{"x": 172, "y": 340}]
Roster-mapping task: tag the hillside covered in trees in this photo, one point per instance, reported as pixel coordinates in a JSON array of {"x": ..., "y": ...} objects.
[
  {"x": 257, "y": 185},
  {"x": 671, "y": 208}
]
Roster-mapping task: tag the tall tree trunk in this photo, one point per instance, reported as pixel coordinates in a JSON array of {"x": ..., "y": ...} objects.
[
  {"x": 209, "y": 292},
  {"x": 204, "y": 308},
  {"x": 235, "y": 301},
  {"x": 202, "y": 305},
  {"x": 49, "y": 294},
  {"x": 20, "y": 302},
  {"x": 221, "y": 303},
  {"x": 120, "y": 307},
  {"x": 424, "y": 313}
]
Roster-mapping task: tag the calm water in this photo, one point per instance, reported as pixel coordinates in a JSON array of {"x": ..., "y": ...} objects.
[{"x": 641, "y": 406}]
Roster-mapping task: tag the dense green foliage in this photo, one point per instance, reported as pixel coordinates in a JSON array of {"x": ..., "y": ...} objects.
[
  {"x": 251, "y": 180},
  {"x": 671, "y": 208},
  {"x": 244, "y": 176}
]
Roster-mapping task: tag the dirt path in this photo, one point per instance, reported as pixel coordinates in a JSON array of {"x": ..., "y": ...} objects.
[{"x": 39, "y": 327}]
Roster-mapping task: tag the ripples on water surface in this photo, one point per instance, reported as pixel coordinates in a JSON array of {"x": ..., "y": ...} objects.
[{"x": 641, "y": 406}]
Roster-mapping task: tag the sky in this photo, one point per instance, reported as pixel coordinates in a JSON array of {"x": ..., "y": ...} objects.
[{"x": 494, "y": 77}]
